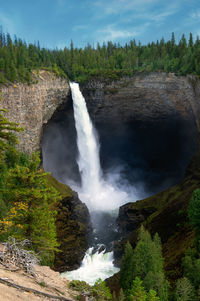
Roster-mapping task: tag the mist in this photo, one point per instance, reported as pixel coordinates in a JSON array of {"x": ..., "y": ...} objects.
[{"x": 110, "y": 165}]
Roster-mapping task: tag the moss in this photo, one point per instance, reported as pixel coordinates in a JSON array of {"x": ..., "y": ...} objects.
[
  {"x": 63, "y": 189},
  {"x": 43, "y": 284},
  {"x": 111, "y": 91},
  {"x": 72, "y": 226}
]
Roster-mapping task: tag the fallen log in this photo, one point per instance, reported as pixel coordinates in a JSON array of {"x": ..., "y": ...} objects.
[{"x": 31, "y": 290}]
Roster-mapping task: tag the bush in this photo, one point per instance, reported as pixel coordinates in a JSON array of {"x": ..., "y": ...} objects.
[
  {"x": 99, "y": 290},
  {"x": 80, "y": 286}
]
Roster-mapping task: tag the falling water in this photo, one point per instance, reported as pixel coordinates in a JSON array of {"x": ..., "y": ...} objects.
[
  {"x": 94, "y": 266},
  {"x": 97, "y": 193}
]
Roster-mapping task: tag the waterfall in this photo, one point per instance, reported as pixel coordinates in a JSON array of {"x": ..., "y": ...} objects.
[
  {"x": 93, "y": 267},
  {"x": 97, "y": 193},
  {"x": 88, "y": 146}
]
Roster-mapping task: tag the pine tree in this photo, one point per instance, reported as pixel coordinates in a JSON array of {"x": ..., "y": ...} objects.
[
  {"x": 126, "y": 272},
  {"x": 191, "y": 43},
  {"x": 148, "y": 264},
  {"x": 152, "y": 296},
  {"x": 191, "y": 267},
  {"x": 194, "y": 211},
  {"x": 31, "y": 213},
  {"x": 137, "y": 291},
  {"x": 8, "y": 140},
  {"x": 7, "y": 132},
  {"x": 184, "y": 290}
]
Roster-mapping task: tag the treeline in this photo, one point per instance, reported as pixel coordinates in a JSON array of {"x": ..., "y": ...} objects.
[{"x": 17, "y": 59}]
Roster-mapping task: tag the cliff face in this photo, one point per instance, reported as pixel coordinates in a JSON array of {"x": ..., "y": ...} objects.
[
  {"x": 33, "y": 105},
  {"x": 164, "y": 213},
  {"x": 144, "y": 97},
  {"x": 154, "y": 101},
  {"x": 151, "y": 97},
  {"x": 73, "y": 226}
]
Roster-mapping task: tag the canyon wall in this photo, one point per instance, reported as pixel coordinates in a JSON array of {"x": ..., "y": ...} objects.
[
  {"x": 33, "y": 105},
  {"x": 158, "y": 99},
  {"x": 149, "y": 96}
]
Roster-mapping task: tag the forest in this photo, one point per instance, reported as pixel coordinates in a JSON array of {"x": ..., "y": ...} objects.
[
  {"x": 28, "y": 203},
  {"x": 109, "y": 60}
]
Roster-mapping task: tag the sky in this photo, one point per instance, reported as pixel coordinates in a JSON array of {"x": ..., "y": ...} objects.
[{"x": 54, "y": 23}]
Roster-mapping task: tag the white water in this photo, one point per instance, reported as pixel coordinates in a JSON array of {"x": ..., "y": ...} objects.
[
  {"x": 98, "y": 194},
  {"x": 93, "y": 267}
]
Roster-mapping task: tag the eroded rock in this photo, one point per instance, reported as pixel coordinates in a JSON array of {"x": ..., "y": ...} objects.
[
  {"x": 73, "y": 227},
  {"x": 33, "y": 105}
]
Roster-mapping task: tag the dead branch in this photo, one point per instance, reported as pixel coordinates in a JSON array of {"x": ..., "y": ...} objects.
[{"x": 14, "y": 254}]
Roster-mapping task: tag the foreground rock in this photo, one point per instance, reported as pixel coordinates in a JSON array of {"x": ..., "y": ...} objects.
[
  {"x": 45, "y": 282},
  {"x": 73, "y": 228},
  {"x": 19, "y": 283}
]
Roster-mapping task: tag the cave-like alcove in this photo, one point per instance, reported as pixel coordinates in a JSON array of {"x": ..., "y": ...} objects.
[{"x": 152, "y": 155}]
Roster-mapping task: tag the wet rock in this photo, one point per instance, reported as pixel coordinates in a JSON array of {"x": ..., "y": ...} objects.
[
  {"x": 130, "y": 218},
  {"x": 73, "y": 227}
]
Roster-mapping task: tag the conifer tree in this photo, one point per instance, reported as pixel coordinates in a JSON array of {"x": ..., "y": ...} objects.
[
  {"x": 152, "y": 296},
  {"x": 30, "y": 200},
  {"x": 148, "y": 264},
  {"x": 191, "y": 267},
  {"x": 7, "y": 132},
  {"x": 137, "y": 291},
  {"x": 126, "y": 272},
  {"x": 184, "y": 290},
  {"x": 194, "y": 211}
]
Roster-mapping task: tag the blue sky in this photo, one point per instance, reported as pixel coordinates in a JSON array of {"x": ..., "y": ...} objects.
[{"x": 55, "y": 22}]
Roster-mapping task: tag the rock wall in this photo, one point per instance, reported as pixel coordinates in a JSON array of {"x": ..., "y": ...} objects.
[
  {"x": 73, "y": 227},
  {"x": 33, "y": 105},
  {"x": 149, "y": 98},
  {"x": 143, "y": 97}
]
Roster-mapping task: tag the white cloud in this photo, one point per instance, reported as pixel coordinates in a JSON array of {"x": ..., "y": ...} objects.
[
  {"x": 195, "y": 15},
  {"x": 120, "y": 6},
  {"x": 111, "y": 33},
  {"x": 159, "y": 15},
  {"x": 140, "y": 10},
  {"x": 163, "y": 15}
]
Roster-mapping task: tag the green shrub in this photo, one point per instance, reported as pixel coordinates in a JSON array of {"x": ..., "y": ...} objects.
[
  {"x": 99, "y": 290},
  {"x": 79, "y": 286}
]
